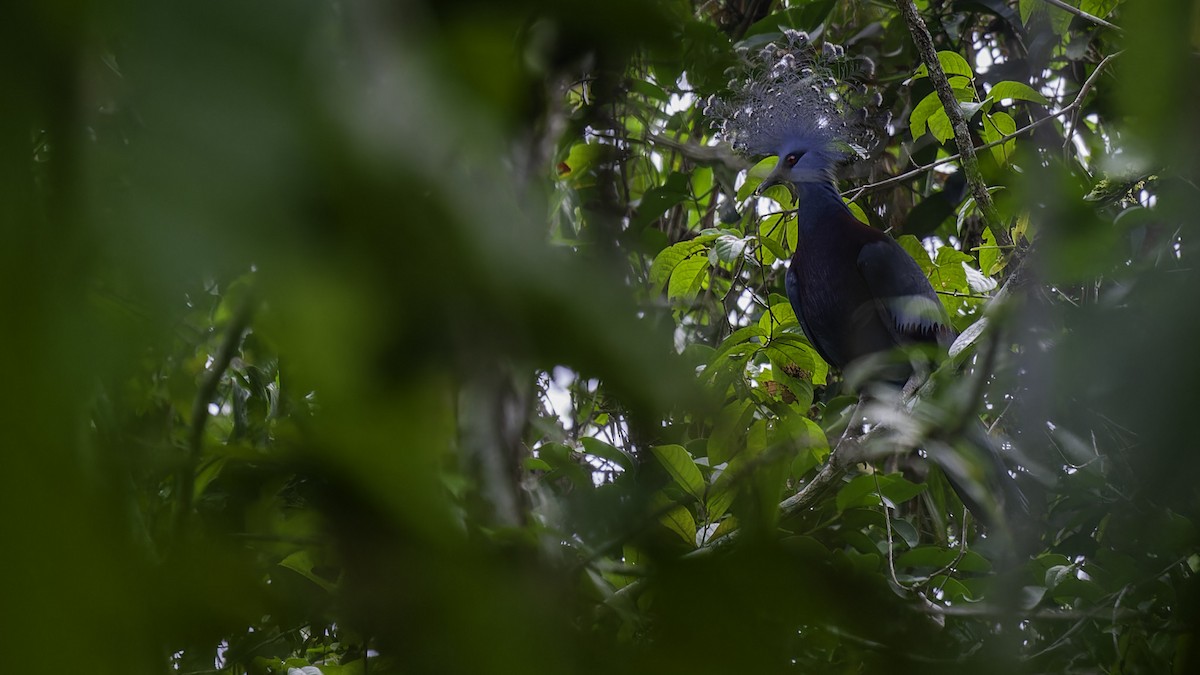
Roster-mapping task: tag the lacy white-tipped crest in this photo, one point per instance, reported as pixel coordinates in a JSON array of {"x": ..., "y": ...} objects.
[{"x": 795, "y": 91}]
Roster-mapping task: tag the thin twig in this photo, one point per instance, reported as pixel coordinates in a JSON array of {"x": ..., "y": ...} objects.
[
  {"x": 1062, "y": 639},
  {"x": 962, "y": 550},
  {"x": 887, "y": 521},
  {"x": 1082, "y": 14}
]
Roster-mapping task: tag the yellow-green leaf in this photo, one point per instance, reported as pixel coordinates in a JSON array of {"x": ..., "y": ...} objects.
[
  {"x": 683, "y": 470},
  {"x": 680, "y": 521},
  {"x": 996, "y": 126},
  {"x": 687, "y": 278},
  {"x": 953, "y": 64},
  {"x": 1018, "y": 91}
]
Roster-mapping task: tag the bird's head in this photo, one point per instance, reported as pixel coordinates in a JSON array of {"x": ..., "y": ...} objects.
[{"x": 803, "y": 160}]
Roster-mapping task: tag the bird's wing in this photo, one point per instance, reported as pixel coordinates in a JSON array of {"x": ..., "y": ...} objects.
[
  {"x": 792, "y": 285},
  {"x": 906, "y": 301}
]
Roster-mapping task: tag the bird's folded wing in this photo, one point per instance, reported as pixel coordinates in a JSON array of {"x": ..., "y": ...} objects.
[
  {"x": 907, "y": 302},
  {"x": 825, "y": 347}
]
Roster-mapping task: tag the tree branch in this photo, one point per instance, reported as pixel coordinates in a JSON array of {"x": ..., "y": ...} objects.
[
  {"x": 701, "y": 154},
  {"x": 1082, "y": 14},
  {"x": 962, "y": 136}
]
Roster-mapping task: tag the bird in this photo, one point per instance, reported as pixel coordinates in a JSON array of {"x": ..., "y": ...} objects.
[
  {"x": 858, "y": 296},
  {"x": 855, "y": 291}
]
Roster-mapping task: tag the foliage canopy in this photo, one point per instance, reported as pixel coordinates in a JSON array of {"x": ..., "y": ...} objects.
[{"x": 448, "y": 337}]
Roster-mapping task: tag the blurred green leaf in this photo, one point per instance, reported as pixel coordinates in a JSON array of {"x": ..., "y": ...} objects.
[{"x": 605, "y": 451}]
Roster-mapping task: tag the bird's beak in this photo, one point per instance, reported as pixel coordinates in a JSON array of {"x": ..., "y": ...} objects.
[{"x": 773, "y": 179}]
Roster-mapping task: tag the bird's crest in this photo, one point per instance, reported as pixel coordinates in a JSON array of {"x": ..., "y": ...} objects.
[{"x": 793, "y": 90}]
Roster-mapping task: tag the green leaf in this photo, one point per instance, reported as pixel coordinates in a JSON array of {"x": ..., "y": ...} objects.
[
  {"x": 755, "y": 176},
  {"x": 916, "y": 249},
  {"x": 1028, "y": 8},
  {"x": 702, "y": 181},
  {"x": 207, "y": 474},
  {"x": 756, "y": 438},
  {"x": 953, "y": 65},
  {"x": 1059, "y": 20},
  {"x": 857, "y": 211},
  {"x": 650, "y": 90},
  {"x": 1099, "y": 8},
  {"x": 793, "y": 355},
  {"x": 581, "y": 159},
  {"x": 355, "y": 667},
  {"x": 607, "y": 452},
  {"x": 940, "y": 126},
  {"x": 536, "y": 464},
  {"x": 729, "y": 431},
  {"x": 906, "y": 531},
  {"x": 730, "y": 249},
  {"x": 682, "y": 468},
  {"x": 687, "y": 278},
  {"x": 803, "y": 433},
  {"x": 564, "y": 462},
  {"x": 719, "y": 498},
  {"x": 796, "y": 338},
  {"x": 777, "y": 232},
  {"x": 864, "y": 491},
  {"x": 996, "y": 126},
  {"x": 918, "y": 119},
  {"x": 728, "y": 525},
  {"x": 759, "y": 472},
  {"x": 738, "y": 337},
  {"x": 951, "y": 589},
  {"x": 669, "y": 258},
  {"x": 774, "y": 247},
  {"x": 1056, "y": 574},
  {"x": 302, "y": 563},
  {"x": 806, "y": 16},
  {"x": 969, "y": 108},
  {"x": 898, "y": 489},
  {"x": 680, "y": 521},
  {"x": 930, "y": 115},
  {"x": 1072, "y": 590},
  {"x": 1031, "y": 596},
  {"x": 779, "y": 316},
  {"x": 937, "y": 557},
  {"x": 860, "y": 491},
  {"x": 948, "y": 274},
  {"x": 1018, "y": 91}
]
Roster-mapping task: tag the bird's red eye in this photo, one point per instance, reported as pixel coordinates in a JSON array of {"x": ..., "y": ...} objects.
[{"x": 791, "y": 159}]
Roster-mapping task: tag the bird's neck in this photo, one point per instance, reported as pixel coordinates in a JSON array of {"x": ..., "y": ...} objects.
[
  {"x": 820, "y": 190},
  {"x": 819, "y": 205}
]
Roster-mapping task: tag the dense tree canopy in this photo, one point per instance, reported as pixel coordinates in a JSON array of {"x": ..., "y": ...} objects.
[{"x": 349, "y": 336}]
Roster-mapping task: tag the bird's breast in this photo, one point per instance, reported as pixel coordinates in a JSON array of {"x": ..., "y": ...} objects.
[{"x": 833, "y": 302}]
